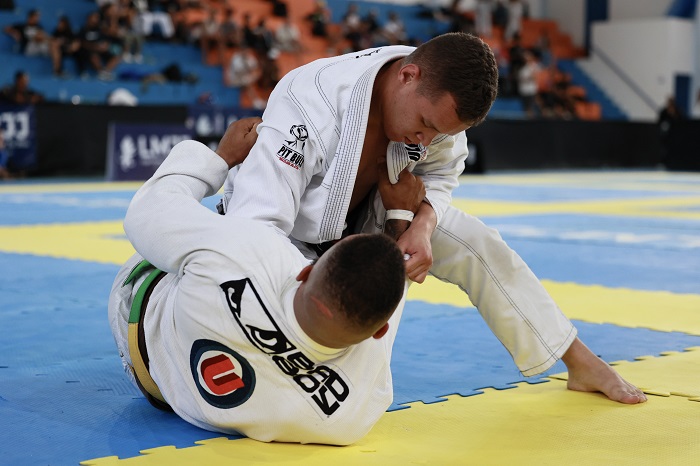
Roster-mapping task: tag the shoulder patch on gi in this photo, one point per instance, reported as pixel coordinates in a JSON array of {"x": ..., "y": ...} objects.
[
  {"x": 223, "y": 377},
  {"x": 292, "y": 151}
]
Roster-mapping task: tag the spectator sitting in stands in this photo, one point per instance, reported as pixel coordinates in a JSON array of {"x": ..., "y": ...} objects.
[
  {"x": 352, "y": 27},
  {"x": 564, "y": 104},
  {"x": 247, "y": 35},
  {"x": 96, "y": 49},
  {"x": 288, "y": 37},
  {"x": 244, "y": 71},
  {"x": 64, "y": 43},
  {"x": 209, "y": 35},
  {"x": 19, "y": 91},
  {"x": 516, "y": 59},
  {"x": 543, "y": 50},
  {"x": 320, "y": 17},
  {"x": 147, "y": 21},
  {"x": 459, "y": 19},
  {"x": 230, "y": 30},
  {"x": 112, "y": 27},
  {"x": 133, "y": 38},
  {"x": 527, "y": 84},
  {"x": 30, "y": 35},
  {"x": 370, "y": 27},
  {"x": 394, "y": 32},
  {"x": 264, "y": 39}
]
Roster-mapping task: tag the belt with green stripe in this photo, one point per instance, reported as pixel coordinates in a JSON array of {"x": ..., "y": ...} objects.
[{"x": 137, "y": 340}]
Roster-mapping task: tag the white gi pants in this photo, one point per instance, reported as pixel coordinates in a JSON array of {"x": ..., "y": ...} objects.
[
  {"x": 119, "y": 308},
  {"x": 506, "y": 293}
]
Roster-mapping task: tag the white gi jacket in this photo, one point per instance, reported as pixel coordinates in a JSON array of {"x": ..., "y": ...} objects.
[
  {"x": 309, "y": 147},
  {"x": 224, "y": 344}
]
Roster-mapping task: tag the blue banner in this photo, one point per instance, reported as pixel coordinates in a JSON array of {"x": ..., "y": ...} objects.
[
  {"x": 18, "y": 125},
  {"x": 135, "y": 151},
  {"x": 207, "y": 121}
]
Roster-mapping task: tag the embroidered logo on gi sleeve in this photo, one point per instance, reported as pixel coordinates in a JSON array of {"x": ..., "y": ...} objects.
[
  {"x": 416, "y": 152},
  {"x": 223, "y": 377},
  {"x": 291, "y": 151}
]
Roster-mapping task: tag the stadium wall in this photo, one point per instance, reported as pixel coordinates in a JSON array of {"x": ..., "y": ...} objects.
[{"x": 72, "y": 141}]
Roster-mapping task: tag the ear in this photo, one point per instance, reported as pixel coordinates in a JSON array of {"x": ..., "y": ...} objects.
[
  {"x": 409, "y": 73},
  {"x": 381, "y": 332},
  {"x": 304, "y": 274},
  {"x": 323, "y": 309}
]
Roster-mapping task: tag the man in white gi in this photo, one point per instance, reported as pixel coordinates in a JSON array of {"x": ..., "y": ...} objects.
[
  {"x": 235, "y": 330},
  {"x": 312, "y": 175}
]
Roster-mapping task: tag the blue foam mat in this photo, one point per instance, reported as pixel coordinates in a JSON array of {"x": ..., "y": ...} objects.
[{"x": 64, "y": 397}]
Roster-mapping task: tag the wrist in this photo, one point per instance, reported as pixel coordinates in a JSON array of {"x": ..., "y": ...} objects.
[
  {"x": 399, "y": 214},
  {"x": 425, "y": 218},
  {"x": 395, "y": 228}
]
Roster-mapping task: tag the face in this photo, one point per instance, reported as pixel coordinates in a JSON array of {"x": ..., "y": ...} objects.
[{"x": 414, "y": 118}]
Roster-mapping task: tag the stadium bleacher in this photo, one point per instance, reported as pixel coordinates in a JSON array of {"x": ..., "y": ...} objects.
[
  {"x": 90, "y": 90},
  {"x": 209, "y": 71}
]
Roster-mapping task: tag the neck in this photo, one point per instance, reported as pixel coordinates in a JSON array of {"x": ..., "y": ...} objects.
[
  {"x": 303, "y": 313},
  {"x": 381, "y": 89}
]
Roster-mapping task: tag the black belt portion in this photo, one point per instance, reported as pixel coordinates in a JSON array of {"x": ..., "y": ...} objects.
[{"x": 321, "y": 248}]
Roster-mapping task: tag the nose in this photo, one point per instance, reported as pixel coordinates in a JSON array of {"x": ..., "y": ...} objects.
[{"x": 426, "y": 137}]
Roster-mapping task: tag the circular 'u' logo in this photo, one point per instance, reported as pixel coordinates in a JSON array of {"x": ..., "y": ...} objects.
[{"x": 223, "y": 377}]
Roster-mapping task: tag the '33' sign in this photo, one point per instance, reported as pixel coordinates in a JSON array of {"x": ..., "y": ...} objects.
[{"x": 16, "y": 125}]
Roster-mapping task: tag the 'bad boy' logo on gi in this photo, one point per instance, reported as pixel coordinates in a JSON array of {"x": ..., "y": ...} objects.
[
  {"x": 325, "y": 386},
  {"x": 291, "y": 151},
  {"x": 223, "y": 377}
]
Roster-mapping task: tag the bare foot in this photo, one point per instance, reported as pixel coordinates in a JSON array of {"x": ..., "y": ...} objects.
[{"x": 589, "y": 373}]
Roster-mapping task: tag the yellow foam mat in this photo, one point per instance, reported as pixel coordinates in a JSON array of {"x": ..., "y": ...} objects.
[
  {"x": 528, "y": 425},
  {"x": 105, "y": 242},
  {"x": 673, "y": 373},
  {"x": 595, "y": 304},
  {"x": 89, "y": 241},
  {"x": 70, "y": 187},
  {"x": 666, "y": 207}
]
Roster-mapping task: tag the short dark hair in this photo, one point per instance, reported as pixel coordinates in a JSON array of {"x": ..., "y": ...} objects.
[
  {"x": 364, "y": 278},
  {"x": 463, "y": 65}
]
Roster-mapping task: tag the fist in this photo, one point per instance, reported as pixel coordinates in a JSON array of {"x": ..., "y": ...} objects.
[{"x": 239, "y": 138}]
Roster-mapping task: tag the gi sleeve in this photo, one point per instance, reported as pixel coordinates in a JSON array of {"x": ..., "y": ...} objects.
[
  {"x": 165, "y": 220},
  {"x": 270, "y": 184},
  {"x": 441, "y": 169}
]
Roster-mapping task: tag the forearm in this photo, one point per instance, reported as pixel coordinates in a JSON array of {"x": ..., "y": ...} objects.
[
  {"x": 425, "y": 220},
  {"x": 394, "y": 228},
  {"x": 164, "y": 218}
]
